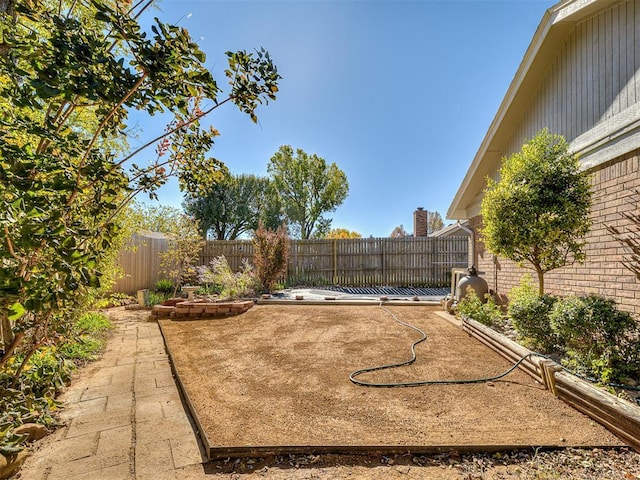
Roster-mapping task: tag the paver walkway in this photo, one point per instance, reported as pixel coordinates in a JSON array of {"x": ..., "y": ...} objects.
[{"x": 123, "y": 417}]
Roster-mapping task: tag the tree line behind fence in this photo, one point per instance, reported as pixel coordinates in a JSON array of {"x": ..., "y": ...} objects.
[{"x": 417, "y": 262}]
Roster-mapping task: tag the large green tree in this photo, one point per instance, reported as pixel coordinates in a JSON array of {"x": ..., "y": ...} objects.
[
  {"x": 233, "y": 206},
  {"x": 538, "y": 210},
  {"x": 307, "y": 187},
  {"x": 67, "y": 86}
]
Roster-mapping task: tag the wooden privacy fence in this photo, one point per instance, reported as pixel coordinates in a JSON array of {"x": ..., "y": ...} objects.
[
  {"x": 349, "y": 262},
  {"x": 140, "y": 262},
  {"x": 359, "y": 262}
]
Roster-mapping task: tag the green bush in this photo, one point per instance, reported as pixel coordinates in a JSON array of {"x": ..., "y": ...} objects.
[
  {"x": 47, "y": 372},
  {"x": 600, "y": 340},
  {"x": 155, "y": 298},
  {"x": 30, "y": 381},
  {"x": 209, "y": 290},
  {"x": 487, "y": 313},
  {"x": 529, "y": 314},
  {"x": 164, "y": 286}
]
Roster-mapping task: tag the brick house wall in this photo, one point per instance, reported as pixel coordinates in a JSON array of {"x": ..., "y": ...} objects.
[{"x": 614, "y": 184}]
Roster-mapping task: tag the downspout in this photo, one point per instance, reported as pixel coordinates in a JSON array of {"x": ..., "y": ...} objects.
[{"x": 472, "y": 254}]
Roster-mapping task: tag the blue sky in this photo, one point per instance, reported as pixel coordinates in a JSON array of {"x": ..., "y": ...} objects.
[{"x": 399, "y": 94}]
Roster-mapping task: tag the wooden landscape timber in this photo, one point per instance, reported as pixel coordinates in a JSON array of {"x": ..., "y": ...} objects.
[{"x": 617, "y": 415}]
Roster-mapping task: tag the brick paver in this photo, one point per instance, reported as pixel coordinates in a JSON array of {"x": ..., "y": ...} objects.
[{"x": 123, "y": 416}]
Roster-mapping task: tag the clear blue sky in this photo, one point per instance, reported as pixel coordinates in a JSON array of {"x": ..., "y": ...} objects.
[{"x": 399, "y": 94}]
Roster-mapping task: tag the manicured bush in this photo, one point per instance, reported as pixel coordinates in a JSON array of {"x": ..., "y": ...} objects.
[
  {"x": 529, "y": 314},
  {"x": 487, "y": 313},
  {"x": 600, "y": 340}
]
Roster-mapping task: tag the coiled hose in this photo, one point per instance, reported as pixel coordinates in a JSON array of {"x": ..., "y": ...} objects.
[{"x": 423, "y": 337}]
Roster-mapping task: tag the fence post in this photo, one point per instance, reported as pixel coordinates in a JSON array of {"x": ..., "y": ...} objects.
[
  {"x": 335, "y": 261},
  {"x": 433, "y": 260},
  {"x": 383, "y": 247}
]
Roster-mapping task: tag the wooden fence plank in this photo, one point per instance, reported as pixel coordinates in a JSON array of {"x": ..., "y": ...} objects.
[{"x": 140, "y": 263}]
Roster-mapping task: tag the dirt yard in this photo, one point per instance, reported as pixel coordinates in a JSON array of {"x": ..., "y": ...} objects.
[{"x": 278, "y": 376}]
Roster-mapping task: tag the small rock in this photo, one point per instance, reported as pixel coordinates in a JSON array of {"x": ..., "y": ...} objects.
[
  {"x": 34, "y": 431},
  {"x": 10, "y": 465}
]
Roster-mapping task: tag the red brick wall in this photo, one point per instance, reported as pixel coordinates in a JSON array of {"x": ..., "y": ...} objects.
[
  {"x": 420, "y": 224},
  {"x": 613, "y": 186}
]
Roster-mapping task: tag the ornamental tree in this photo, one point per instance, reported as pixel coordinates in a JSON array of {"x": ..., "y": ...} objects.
[
  {"x": 70, "y": 74},
  {"x": 270, "y": 255},
  {"x": 307, "y": 187},
  {"x": 537, "y": 212},
  {"x": 177, "y": 262}
]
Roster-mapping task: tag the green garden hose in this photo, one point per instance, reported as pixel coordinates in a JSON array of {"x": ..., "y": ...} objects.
[{"x": 423, "y": 337}]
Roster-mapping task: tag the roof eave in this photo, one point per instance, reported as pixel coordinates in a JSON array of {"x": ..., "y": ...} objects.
[{"x": 556, "y": 24}]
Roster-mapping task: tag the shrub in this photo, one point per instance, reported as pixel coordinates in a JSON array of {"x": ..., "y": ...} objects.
[
  {"x": 209, "y": 290},
  {"x": 164, "y": 286},
  {"x": 230, "y": 285},
  {"x": 271, "y": 255},
  {"x": 155, "y": 298},
  {"x": 529, "y": 314},
  {"x": 30, "y": 381},
  {"x": 487, "y": 313},
  {"x": 600, "y": 340}
]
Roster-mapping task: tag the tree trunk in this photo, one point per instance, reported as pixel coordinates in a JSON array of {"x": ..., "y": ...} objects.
[
  {"x": 6, "y": 333},
  {"x": 8, "y": 353},
  {"x": 540, "y": 281}
]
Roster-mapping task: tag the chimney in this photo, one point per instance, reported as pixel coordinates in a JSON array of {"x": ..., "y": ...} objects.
[{"x": 420, "y": 222}]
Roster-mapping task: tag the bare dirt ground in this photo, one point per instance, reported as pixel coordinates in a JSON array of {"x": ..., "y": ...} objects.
[{"x": 279, "y": 376}]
